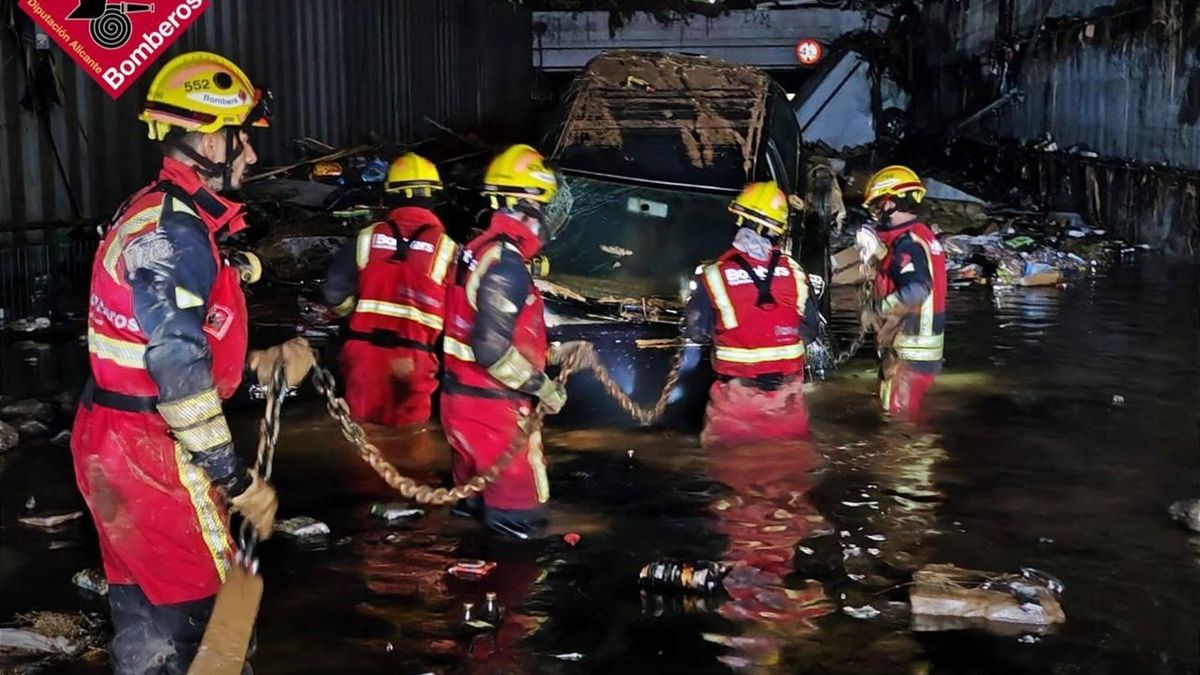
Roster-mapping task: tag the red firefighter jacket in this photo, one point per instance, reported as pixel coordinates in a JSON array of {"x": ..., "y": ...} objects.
[
  {"x": 167, "y": 322},
  {"x": 913, "y": 273},
  {"x": 402, "y": 266},
  {"x": 764, "y": 312},
  {"x": 495, "y": 324}
]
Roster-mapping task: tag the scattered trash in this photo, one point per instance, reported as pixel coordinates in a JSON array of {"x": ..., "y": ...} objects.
[
  {"x": 1186, "y": 512},
  {"x": 703, "y": 577},
  {"x": 9, "y": 438},
  {"x": 13, "y": 638},
  {"x": 487, "y": 617},
  {"x": 569, "y": 656},
  {"x": 29, "y": 409},
  {"x": 1045, "y": 540},
  {"x": 394, "y": 512},
  {"x": 1029, "y": 639},
  {"x": 49, "y": 522},
  {"x": 876, "y": 537},
  {"x": 946, "y": 597},
  {"x": 874, "y": 551},
  {"x": 1118, "y": 400},
  {"x": 33, "y": 429},
  {"x": 390, "y": 648},
  {"x": 92, "y": 580},
  {"x": 29, "y": 325},
  {"x": 864, "y": 612},
  {"x": 302, "y": 527},
  {"x": 31, "y": 503},
  {"x": 571, "y": 538},
  {"x": 471, "y": 569},
  {"x": 857, "y": 504},
  {"x": 62, "y": 438}
]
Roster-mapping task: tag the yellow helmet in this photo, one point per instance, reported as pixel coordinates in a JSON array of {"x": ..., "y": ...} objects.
[
  {"x": 411, "y": 173},
  {"x": 893, "y": 181},
  {"x": 764, "y": 204},
  {"x": 520, "y": 172},
  {"x": 204, "y": 92}
]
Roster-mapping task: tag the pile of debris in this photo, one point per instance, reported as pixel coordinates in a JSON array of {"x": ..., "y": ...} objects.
[
  {"x": 1005, "y": 247},
  {"x": 1029, "y": 249}
]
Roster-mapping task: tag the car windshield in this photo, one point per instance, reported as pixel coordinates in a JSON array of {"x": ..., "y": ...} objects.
[{"x": 624, "y": 240}]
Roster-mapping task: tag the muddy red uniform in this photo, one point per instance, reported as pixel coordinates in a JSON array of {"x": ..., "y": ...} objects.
[
  {"x": 495, "y": 348},
  {"x": 397, "y": 270},
  {"x": 167, "y": 341},
  {"x": 912, "y": 273},
  {"x": 759, "y": 313}
]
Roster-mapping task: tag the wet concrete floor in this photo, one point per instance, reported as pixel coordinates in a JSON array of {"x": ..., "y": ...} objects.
[{"x": 1027, "y": 460}]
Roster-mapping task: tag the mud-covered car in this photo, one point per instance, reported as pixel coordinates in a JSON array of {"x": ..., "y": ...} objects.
[{"x": 652, "y": 147}]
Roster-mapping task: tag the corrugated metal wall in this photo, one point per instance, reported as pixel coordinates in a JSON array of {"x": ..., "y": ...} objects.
[
  {"x": 339, "y": 70},
  {"x": 1122, "y": 80}
]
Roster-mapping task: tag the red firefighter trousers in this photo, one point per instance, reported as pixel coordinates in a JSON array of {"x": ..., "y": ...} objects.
[
  {"x": 902, "y": 389},
  {"x": 740, "y": 413},
  {"x": 161, "y": 526},
  {"x": 389, "y": 385},
  {"x": 480, "y": 430}
]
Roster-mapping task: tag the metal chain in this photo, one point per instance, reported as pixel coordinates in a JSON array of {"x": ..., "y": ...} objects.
[
  {"x": 859, "y": 340},
  {"x": 573, "y": 362},
  {"x": 586, "y": 359}
]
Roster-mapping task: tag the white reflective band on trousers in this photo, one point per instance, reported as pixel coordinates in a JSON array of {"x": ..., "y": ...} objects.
[
  {"x": 400, "y": 312},
  {"x": 759, "y": 355},
  {"x": 458, "y": 350}
]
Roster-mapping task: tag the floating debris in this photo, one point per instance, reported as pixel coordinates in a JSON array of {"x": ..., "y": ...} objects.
[
  {"x": 395, "y": 512},
  {"x": 876, "y": 537},
  {"x": 981, "y": 598},
  {"x": 9, "y": 438},
  {"x": 62, "y": 438},
  {"x": 91, "y": 580},
  {"x": 29, "y": 409},
  {"x": 471, "y": 569},
  {"x": 302, "y": 527},
  {"x": 667, "y": 574},
  {"x": 569, "y": 656},
  {"x": 1186, "y": 512},
  {"x": 571, "y": 538},
  {"x": 1118, "y": 400},
  {"x": 50, "y": 522},
  {"x": 864, "y": 612}
]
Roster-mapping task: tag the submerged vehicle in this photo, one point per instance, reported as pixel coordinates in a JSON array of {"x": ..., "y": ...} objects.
[{"x": 652, "y": 147}]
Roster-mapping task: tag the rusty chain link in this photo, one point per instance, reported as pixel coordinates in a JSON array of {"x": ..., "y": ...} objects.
[
  {"x": 572, "y": 362},
  {"x": 865, "y": 301}
]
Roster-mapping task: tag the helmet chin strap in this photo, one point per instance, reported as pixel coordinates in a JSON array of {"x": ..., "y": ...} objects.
[{"x": 208, "y": 168}]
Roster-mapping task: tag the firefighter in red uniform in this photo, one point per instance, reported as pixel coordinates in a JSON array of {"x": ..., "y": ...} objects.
[
  {"x": 393, "y": 278},
  {"x": 167, "y": 332},
  {"x": 754, "y": 304},
  {"x": 910, "y": 290},
  {"x": 496, "y": 349}
]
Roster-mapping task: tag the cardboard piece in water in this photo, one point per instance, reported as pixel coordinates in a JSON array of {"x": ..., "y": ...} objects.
[{"x": 946, "y": 597}]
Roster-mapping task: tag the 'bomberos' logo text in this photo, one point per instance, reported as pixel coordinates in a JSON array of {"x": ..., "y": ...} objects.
[{"x": 114, "y": 42}]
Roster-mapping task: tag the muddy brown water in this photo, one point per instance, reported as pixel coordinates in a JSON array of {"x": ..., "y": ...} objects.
[{"x": 1027, "y": 460}]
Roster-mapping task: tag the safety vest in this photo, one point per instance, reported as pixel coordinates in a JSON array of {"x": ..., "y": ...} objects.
[
  {"x": 529, "y": 333},
  {"x": 759, "y": 307},
  {"x": 921, "y": 335},
  {"x": 116, "y": 343},
  {"x": 403, "y": 264}
]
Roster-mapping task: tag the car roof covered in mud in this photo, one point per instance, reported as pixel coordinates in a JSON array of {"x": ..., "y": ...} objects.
[{"x": 663, "y": 117}]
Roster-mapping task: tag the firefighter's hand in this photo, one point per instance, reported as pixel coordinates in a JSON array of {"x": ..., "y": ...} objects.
[
  {"x": 552, "y": 396},
  {"x": 257, "y": 504},
  {"x": 869, "y": 247},
  {"x": 869, "y": 320},
  {"x": 577, "y": 351},
  {"x": 297, "y": 358}
]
